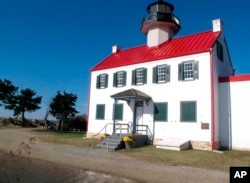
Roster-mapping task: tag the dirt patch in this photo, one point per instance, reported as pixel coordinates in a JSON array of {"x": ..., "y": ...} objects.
[{"x": 110, "y": 163}]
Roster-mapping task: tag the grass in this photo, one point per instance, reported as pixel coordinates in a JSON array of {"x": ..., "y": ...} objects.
[
  {"x": 68, "y": 138},
  {"x": 194, "y": 158}
]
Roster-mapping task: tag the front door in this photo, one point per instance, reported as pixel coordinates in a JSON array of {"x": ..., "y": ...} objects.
[{"x": 139, "y": 118}]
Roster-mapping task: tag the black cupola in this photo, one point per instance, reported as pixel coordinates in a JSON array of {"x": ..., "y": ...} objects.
[{"x": 160, "y": 13}]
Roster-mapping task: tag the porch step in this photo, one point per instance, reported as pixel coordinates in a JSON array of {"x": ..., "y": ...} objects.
[
  {"x": 173, "y": 144},
  {"x": 113, "y": 142}
]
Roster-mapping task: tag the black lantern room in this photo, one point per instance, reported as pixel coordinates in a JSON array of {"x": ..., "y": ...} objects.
[{"x": 160, "y": 13}]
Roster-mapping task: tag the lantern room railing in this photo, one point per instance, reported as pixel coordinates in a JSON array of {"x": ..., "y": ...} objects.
[{"x": 165, "y": 17}]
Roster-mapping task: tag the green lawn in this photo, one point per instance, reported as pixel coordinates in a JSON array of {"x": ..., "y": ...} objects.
[
  {"x": 70, "y": 138},
  {"x": 195, "y": 158}
]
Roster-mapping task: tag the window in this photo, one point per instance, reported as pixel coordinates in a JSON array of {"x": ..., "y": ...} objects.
[
  {"x": 161, "y": 74},
  {"x": 139, "y": 76},
  {"x": 119, "y": 79},
  {"x": 100, "y": 111},
  {"x": 102, "y": 81},
  {"x": 188, "y": 70},
  {"x": 161, "y": 111},
  {"x": 118, "y": 111},
  {"x": 188, "y": 111},
  {"x": 219, "y": 50}
]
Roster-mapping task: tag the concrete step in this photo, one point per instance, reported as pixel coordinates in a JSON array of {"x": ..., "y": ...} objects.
[
  {"x": 113, "y": 142},
  {"x": 173, "y": 144},
  {"x": 110, "y": 147}
]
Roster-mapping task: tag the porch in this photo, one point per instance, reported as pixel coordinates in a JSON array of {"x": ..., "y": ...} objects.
[{"x": 143, "y": 136}]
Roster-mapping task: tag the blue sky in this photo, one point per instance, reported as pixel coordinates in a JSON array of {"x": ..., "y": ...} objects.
[{"x": 51, "y": 45}]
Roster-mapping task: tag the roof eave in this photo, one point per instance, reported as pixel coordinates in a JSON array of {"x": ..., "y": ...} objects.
[{"x": 150, "y": 59}]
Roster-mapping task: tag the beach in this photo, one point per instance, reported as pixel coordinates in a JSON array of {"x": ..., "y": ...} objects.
[{"x": 48, "y": 162}]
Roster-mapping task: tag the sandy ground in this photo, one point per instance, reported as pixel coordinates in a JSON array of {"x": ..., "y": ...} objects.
[{"x": 116, "y": 167}]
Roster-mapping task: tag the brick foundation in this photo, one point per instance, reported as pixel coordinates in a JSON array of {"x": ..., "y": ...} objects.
[{"x": 201, "y": 145}]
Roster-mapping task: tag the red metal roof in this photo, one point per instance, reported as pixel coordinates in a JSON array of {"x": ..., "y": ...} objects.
[{"x": 191, "y": 44}]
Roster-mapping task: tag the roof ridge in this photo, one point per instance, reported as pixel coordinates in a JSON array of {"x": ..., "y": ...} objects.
[
  {"x": 166, "y": 41},
  {"x": 181, "y": 46}
]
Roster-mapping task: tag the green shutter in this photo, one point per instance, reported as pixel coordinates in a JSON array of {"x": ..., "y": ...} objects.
[
  {"x": 168, "y": 73},
  {"x": 188, "y": 111},
  {"x": 180, "y": 72},
  {"x": 145, "y": 72},
  {"x": 124, "y": 78},
  {"x": 155, "y": 75},
  {"x": 196, "y": 70},
  {"x": 100, "y": 111},
  {"x": 161, "y": 111},
  {"x": 106, "y": 80},
  {"x": 133, "y": 77},
  {"x": 98, "y": 81},
  {"x": 118, "y": 112},
  {"x": 115, "y": 79}
]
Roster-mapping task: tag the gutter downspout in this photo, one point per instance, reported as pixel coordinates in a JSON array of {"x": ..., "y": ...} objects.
[{"x": 212, "y": 101}]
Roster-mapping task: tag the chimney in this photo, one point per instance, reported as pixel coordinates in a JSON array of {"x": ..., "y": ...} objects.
[
  {"x": 115, "y": 48},
  {"x": 217, "y": 25}
]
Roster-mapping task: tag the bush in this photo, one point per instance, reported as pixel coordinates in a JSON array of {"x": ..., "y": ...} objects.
[{"x": 78, "y": 122}]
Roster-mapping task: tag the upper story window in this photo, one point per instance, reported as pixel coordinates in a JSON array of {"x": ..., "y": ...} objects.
[
  {"x": 161, "y": 74},
  {"x": 102, "y": 81},
  {"x": 188, "y": 70},
  {"x": 219, "y": 50},
  {"x": 119, "y": 79},
  {"x": 139, "y": 76}
]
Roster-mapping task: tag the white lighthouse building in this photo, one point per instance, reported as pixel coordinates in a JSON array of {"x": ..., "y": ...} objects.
[{"x": 181, "y": 88}]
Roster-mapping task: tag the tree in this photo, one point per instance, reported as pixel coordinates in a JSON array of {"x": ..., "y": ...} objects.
[
  {"x": 78, "y": 122},
  {"x": 25, "y": 101},
  {"x": 62, "y": 106},
  {"x": 7, "y": 91}
]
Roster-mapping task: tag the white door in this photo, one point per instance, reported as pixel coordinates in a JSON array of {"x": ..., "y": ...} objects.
[{"x": 139, "y": 119}]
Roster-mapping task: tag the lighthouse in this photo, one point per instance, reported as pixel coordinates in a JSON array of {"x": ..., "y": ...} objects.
[{"x": 160, "y": 24}]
